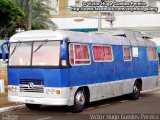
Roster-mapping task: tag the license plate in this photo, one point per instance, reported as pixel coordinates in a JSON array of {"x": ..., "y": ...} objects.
[{"x": 29, "y": 100}]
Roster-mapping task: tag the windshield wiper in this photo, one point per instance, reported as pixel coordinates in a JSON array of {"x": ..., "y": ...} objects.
[
  {"x": 43, "y": 43},
  {"x": 16, "y": 46}
]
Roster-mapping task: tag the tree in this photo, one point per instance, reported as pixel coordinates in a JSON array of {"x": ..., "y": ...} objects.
[
  {"x": 9, "y": 14},
  {"x": 23, "y": 4},
  {"x": 40, "y": 13}
]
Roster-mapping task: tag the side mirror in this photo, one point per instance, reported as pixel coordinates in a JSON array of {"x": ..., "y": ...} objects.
[
  {"x": 63, "y": 54},
  {"x": 4, "y": 50}
]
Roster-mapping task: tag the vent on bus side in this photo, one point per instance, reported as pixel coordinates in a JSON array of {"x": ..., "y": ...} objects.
[{"x": 27, "y": 85}]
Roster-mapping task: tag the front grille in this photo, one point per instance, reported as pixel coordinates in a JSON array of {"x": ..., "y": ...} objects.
[{"x": 27, "y": 85}]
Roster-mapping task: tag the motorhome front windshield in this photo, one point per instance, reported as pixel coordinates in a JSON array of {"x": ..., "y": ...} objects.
[{"x": 43, "y": 53}]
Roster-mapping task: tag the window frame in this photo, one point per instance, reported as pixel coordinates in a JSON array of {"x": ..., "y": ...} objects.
[
  {"x": 147, "y": 54},
  {"x": 74, "y": 57},
  {"x": 103, "y": 46},
  {"x": 36, "y": 66},
  {"x": 130, "y": 53},
  {"x": 9, "y": 57}
]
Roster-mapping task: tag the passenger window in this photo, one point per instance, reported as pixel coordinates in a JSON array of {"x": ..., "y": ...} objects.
[
  {"x": 126, "y": 54},
  {"x": 152, "y": 53},
  {"x": 107, "y": 53},
  {"x": 98, "y": 53},
  {"x": 102, "y": 53},
  {"x": 79, "y": 54},
  {"x": 71, "y": 54}
]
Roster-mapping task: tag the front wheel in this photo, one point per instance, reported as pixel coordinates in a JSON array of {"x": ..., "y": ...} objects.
[
  {"x": 33, "y": 106},
  {"x": 79, "y": 101},
  {"x": 136, "y": 91}
]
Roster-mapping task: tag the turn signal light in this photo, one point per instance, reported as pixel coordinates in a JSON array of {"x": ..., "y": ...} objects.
[
  {"x": 9, "y": 89},
  {"x": 12, "y": 89},
  {"x": 58, "y": 91}
]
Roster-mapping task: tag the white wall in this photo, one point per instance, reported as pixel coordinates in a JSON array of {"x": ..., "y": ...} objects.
[{"x": 146, "y": 20}]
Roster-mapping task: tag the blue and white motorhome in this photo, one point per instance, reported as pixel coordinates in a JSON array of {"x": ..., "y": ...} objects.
[{"x": 71, "y": 68}]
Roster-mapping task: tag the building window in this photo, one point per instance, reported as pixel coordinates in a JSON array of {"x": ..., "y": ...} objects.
[
  {"x": 79, "y": 54},
  {"x": 158, "y": 5},
  {"x": 72, "y": 2},
  {"x": 126, "y": 54},
  {"x": 102, "y": 53},
  {"x": 152, "y": 53}
]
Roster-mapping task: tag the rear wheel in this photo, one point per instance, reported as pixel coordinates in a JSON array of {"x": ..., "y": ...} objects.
[
  {"x": 136, "y": 91},
  {"x": 79, "y": 101},
  {"x": 33, "y": 106}
]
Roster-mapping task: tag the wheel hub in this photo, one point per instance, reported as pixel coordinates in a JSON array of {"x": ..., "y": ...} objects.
[
  {"x": 80, "y": 98},
  {"x": 135, "y": 88}
]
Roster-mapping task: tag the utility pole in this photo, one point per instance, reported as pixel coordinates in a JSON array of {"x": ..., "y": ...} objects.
[
  {"x": 99, "y": 21},
  {"x": 30, "y": 4}
]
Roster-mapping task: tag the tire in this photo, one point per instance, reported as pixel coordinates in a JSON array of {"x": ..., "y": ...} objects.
[
  {"x": 79, "y": 101},
  {"x": 136, "y": 91},
  {"x": 33, "y": 106}
]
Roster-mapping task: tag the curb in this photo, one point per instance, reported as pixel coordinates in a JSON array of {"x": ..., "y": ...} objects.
[{"x": 10, "y": 108}]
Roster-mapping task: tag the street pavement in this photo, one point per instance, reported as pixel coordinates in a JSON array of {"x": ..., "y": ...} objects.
[{"x": 146, "y": 108}]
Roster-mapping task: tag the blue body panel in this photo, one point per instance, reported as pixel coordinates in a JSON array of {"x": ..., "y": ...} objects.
[
  {"x": 97, "y": 72},
  {"x": 51, "y": 77}
]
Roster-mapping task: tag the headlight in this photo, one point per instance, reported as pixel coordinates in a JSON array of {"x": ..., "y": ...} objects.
[
  {"x": 12, "y": 89},
  {"x": 52, "y": 91}
]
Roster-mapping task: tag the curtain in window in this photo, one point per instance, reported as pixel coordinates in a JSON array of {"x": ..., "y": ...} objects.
[
  {"x": 84, "y": 52},
  {"x": 127, "y": 53},
  {"x": 152, "y": 53},
  {"x": 98, "y": 53},
  {"x": 71, "y": 54},
  {"x": 107, "y": 53},
  {"x": 81, "y": 54}
]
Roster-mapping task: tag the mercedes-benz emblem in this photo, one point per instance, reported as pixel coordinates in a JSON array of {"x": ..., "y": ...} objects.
[{"x": 31, "y": 85}]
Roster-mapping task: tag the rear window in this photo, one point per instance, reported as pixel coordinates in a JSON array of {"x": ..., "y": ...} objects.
[{"x": 152, "y": 53}]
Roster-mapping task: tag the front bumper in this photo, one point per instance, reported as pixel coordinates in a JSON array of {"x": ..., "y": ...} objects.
[{"x": 42, "y": 101}]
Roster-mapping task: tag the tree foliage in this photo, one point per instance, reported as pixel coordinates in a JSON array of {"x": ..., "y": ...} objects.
[
  {"x": 14, "y": 14},
  {"x": 40, "y": 14},
  {"x": 9, "y": 14}
]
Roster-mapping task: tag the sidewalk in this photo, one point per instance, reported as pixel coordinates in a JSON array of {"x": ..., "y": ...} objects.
[
  {"x": 4, "y": 101},
  {"x": 5, "y": 105}
]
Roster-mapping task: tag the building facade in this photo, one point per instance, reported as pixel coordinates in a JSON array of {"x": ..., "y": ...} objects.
[
  {"x": 141, "y": 21},
  {"x": 148, "y": 22}
]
